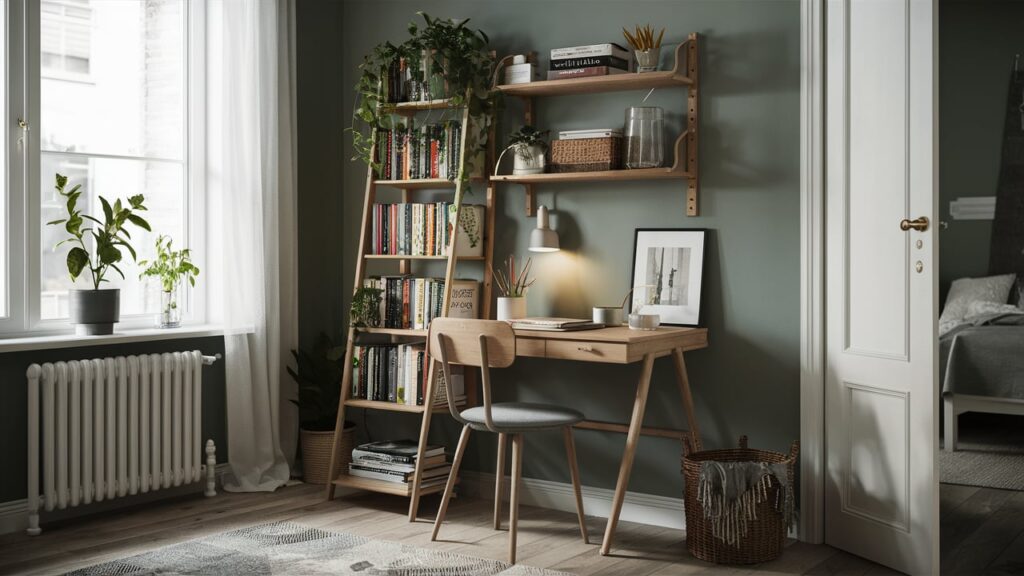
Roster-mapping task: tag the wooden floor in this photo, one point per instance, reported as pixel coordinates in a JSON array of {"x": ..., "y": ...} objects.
[{"x": 982, "y": 531}]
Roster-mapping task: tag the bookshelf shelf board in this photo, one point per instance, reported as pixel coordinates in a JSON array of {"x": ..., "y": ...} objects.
[
  {"x": 598, "y": 84},
  {"x": 407, "y": 257},
  {"x": 638, "y": 174},
  {"x": 409, "y": 108},
  {"x": 374, "y": 485},
  {"x": 392, "y": 406},
  {"x": 418, "y": 184},
  {"x": 395, "y": 331},
  {"x": 377, "y": 405}
]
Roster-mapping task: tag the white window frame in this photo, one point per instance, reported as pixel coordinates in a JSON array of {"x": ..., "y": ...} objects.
[{"x": 23, "y": 210}]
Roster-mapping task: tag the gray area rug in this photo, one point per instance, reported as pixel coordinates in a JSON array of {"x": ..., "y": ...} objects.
[
  {"x": 287, "y": 548},
  {"x": 990, "y": 453}
]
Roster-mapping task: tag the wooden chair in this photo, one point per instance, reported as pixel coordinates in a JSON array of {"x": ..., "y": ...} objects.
[{"x": 492, "y": 344}]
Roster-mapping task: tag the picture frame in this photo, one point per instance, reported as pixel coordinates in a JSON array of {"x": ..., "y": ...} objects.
[{"x": 676, "y": 298}]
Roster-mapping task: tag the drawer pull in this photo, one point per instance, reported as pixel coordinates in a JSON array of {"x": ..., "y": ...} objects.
[{"x": 585, "y": 348}]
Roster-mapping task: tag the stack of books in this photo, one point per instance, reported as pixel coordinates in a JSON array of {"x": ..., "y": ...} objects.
[
  {"x": 395, "y": 461},
  {"x": 591, "y": 133},
  {"x": 592, "y": 60},
  {"x": 425, "y": 229}
]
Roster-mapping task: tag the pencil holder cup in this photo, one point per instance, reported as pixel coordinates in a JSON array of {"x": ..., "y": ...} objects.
[
  {"x": 511, "y": 308},
  {"x": 647, "y": 60}
]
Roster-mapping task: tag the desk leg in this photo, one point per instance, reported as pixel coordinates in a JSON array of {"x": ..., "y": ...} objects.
[
  {"x": 632, "y": 438},
  {"x": 684, "y": 391}
]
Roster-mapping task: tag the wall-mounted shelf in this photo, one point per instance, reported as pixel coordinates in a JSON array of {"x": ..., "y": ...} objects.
[{"x": 684, "y": 73}]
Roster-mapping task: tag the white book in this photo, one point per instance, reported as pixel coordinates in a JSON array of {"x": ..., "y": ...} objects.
[
  {"x": 610, "y": 49},
  {"x": 598, "y": 133}
]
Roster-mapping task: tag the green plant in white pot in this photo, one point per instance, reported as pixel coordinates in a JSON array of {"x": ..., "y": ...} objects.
[
  {"x": 530, "y": 146},
  {"x": 170, "y": 267},
  {"x": 95, "y": 311}
]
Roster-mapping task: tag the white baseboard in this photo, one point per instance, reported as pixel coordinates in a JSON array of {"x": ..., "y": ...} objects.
[
  {"x": 641, "y": 508},
  {"x": 14, "y": 514}
]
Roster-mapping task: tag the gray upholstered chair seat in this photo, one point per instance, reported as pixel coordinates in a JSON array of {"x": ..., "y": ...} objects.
[{"x": 522, "y": 416}]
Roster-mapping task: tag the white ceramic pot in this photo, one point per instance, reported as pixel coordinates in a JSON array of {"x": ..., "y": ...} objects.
[
  {"x": 533, "y": 163},
  {"x": 511, "y": 308}
]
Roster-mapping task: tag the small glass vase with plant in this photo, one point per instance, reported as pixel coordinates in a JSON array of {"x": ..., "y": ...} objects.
[
  {"x": 96, "y": 311},
  {"x": 170, "y": 267},
  {"x": 512, "y": 285}
]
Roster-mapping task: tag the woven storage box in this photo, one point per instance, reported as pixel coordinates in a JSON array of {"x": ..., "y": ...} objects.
[
  {"x": 586, "y": 155},
  {"x": 766, "y": 534},
  {"x": 316, "y": 453}
]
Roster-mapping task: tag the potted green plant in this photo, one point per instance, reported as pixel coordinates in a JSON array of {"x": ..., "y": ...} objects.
[
  {"x": 96, "y": 311},
  {"x": 365, "y": 309},
  {"x": 530, "y": 146},
  {"x": 170, "y": 267},
  {"x": 318, "y": 373},
  {"x": 440, "y": 49}
]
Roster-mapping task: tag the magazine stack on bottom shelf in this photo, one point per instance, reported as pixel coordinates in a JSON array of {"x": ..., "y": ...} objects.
[{"x": 395, "y": 461}]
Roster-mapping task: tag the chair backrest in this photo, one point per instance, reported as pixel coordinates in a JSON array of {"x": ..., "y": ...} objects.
[
  {"x": 463, "y": 341},
  {"x": 483, "y": 343}
]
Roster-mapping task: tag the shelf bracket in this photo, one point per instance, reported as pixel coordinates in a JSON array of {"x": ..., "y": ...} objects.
[{"x": 531, "y": 201}]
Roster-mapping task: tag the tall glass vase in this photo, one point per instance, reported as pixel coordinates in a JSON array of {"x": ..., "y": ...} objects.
[{"x": 170, "y": 307}]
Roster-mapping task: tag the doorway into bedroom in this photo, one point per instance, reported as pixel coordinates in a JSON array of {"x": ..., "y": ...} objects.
[{"x": 981, "y": 278}]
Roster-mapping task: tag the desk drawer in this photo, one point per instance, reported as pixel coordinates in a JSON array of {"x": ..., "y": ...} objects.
[
  {"x": 587, "y": 351},
  {"x": 533, "y": 347}
]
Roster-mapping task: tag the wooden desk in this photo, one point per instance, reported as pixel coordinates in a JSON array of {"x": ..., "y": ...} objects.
[{"x": 620, "y": 345}]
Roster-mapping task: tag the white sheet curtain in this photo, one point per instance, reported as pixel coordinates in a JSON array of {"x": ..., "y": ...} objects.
[{"x": 251, "y": 179}]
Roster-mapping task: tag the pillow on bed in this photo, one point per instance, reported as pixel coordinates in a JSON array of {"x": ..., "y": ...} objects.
[{"x": 966, "y": 290}]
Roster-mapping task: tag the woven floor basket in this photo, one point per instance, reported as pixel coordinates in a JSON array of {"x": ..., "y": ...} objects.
[
  {"x": 766, "y": 535},
  {"x": 316, "y": 453}
]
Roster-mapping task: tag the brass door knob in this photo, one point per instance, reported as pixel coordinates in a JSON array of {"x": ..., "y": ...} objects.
[{"x": 919, "y": 224}]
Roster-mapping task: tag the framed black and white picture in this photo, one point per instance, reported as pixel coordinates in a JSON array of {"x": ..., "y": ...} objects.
[{"x": 668, "y": 267}]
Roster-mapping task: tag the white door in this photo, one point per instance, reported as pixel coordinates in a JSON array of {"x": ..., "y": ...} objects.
[{"x": 881, "y": 376}]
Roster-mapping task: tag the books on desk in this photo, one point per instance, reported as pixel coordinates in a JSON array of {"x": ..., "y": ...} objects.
[
  {"x": 395, "y": 461},
  {"x": 554, "y": 324}
]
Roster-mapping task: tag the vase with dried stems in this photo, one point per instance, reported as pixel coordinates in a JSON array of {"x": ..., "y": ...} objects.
[{"x": 512, "y": 285}]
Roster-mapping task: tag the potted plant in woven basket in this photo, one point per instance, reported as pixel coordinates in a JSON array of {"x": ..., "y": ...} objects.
[{"x": 318, "y": 373}]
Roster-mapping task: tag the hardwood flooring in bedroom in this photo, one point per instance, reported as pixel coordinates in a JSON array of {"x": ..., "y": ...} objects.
[{"x": 547, "y": 539}]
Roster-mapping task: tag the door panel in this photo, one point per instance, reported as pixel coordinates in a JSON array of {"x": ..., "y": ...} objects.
[{"x": 881, "y": 387}]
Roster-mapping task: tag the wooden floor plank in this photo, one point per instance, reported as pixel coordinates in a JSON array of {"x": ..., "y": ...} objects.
[
  {"x": 966, "y": 518},
  {"x": 547, "y": 538}
]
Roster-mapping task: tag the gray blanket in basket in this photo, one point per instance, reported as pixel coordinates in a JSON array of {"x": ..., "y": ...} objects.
[{"x": 728, "y": 493}]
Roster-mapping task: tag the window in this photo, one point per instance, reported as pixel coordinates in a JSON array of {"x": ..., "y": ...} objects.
[{"x": 117, "y": 88}]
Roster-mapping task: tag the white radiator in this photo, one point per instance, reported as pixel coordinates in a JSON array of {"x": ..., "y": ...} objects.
[{"x": 113, "y": 427}]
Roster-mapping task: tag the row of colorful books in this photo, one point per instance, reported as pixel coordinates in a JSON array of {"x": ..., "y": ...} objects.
[
  {"x": 413, "y": 153},
  {"x": 425, "y": 229},
  {"x": 395, "y": 461},
  {"x": 410, "y": 302},
  {"x": 590, "y": 60},
  {"x": 399, "y": 373}
]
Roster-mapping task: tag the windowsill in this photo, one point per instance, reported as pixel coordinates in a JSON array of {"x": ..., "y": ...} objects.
[{"x": 126, "y": 336}]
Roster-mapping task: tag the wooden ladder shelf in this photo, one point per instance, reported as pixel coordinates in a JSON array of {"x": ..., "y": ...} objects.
[{"x": 408, "y": 187}]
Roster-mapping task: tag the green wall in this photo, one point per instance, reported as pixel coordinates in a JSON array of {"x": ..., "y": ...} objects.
[
  {"x": 320, "y": 118},
  {"x": 14, "y": 399},
  {"x": 747, "y": 382},
  {"x": 977, "y": 43}
]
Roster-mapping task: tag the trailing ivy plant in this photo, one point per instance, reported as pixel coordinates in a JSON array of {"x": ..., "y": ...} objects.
[
  {"x": 107, "y": 235},
  {"x": 170, "y": 265},
  {"x": 455, "y": 52}
]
